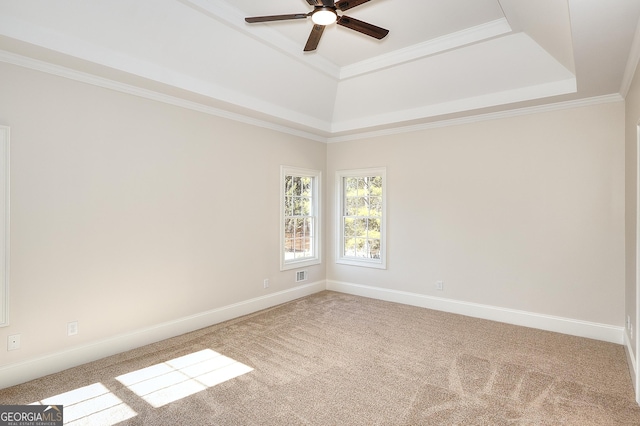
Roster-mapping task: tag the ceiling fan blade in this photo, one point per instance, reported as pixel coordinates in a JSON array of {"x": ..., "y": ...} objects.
[
  {"x": 255, "y": 19},
  {"x": 314, "y": 38},
  {"x": 329, "y": 3},
  {"x": 362, "y": 27},
  {"x": 348, "y": 4}
]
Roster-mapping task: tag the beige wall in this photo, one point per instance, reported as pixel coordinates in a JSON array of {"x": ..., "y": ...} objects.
[
  {"x": 127, "y": 213},
  {"x": 631, "y": 132},
  {"x": 524, "y": 213}
]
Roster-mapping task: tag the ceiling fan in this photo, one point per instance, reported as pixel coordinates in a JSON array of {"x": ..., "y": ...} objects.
[{"x": 325, "y": 13}]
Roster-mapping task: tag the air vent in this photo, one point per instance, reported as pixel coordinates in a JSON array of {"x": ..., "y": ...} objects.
[{"x": 301, "y": 276}]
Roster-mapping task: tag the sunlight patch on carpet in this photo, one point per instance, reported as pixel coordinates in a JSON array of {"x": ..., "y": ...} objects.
[
  {"x": 91, "y": 405},
  {"x": 178, "y": 378}
]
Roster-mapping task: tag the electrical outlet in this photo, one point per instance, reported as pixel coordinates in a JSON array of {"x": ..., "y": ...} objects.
[
  {"x": 439, "y": 285},
  {"x": 13, "y": 342},
  {"x": 72, "y": 328},
  {"x": 266, "y": 283}
]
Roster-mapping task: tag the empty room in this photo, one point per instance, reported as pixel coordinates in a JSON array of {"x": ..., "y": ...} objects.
[{"x": 318, "y": 212}]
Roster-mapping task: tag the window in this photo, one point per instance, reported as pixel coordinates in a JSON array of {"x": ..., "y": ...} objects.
[
  {"x": 300, "y": 221},
  {"x": 361, "y": 218},
  {"x": 4, "y": 225}
]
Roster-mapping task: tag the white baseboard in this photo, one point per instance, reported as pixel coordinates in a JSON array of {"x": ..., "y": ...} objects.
[
  {"x": 24, "y": 371},
  {"x": 591, "y": 330}
]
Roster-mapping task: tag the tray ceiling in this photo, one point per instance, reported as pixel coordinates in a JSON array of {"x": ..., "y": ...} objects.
[{"x": 442, "y": 60}]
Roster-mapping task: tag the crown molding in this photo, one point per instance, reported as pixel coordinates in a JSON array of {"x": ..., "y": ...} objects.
[
  {"x": 493, "y": 99},
  {"x": 578, "y": 103},
  {"x": 427, "y": 48},
  {"x": 37, "y": 65},
  {"x": 76, "y": 48},
  {"x": 60, "y": 71}
]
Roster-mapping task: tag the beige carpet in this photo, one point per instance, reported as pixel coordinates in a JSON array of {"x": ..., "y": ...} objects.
[{"x": 336, "y": 359}]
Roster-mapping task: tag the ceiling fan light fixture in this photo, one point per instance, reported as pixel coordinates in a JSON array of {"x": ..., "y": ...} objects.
[{"x": 324, "y": 16}]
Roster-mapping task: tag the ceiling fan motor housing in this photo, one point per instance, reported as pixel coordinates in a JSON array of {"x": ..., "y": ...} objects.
[{"x": 327, "y": 3}]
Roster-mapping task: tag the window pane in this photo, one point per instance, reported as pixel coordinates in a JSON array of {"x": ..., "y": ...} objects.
[
  {"x": 375, "y": 185},
  {"x": 351, "y": 207},
  {"x": 289, "y": 228},
  {"x": 375, "y": 206},
  {"x": 371, "y": 185},
  {"x": 299, "y": 238},
  {"x": 361, "y": 247},
  {"x": 351, "y": 187},
  {"x": 360, "y": 227},
  {"x": 297, "y": 185},
  {"x": 349, "y": 247},
  {"x": 305, "y": 205},
  {"x": 289, "y": 248},
  {"x": 374, "y": 227},
  {"x": 349, "y": 227},
  {"x": 288, "y": 185},
  {"x": 297, "y": 206},
  {"x": 288, "y": 206},
  {"x": 301, "y": 230},
  {"x": 303, "y": 247},
  {"x": 356, "y": 206},
  {"x": 308, "y": 226},
  {"x": 374, "y": 249},
  {"x": 305, "y": 186}
]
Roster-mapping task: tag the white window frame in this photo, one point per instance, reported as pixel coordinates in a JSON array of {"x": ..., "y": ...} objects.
[
  {"x": 4, "y": 225},
  {"x": 341, "y": 258},
  {"x": 315, "y": 259}
]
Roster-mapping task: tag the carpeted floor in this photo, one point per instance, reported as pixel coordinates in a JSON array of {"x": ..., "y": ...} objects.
[{"x": 336, "y": 359}]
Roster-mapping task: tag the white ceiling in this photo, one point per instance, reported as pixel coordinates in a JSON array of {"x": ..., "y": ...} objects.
[{"x": 443, "y": 60}]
